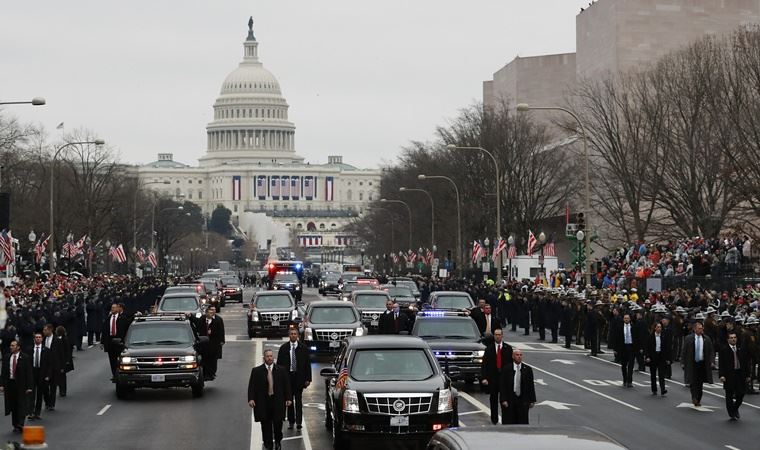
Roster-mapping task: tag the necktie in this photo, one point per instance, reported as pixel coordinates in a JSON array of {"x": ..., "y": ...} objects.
[
  {"x": 13, "y": 366},
  {"x": 113, "y": 325},
  {"x": 37, "y": 356},
  {"x": 208, "y": 327},
  {"x": 270, "y": 381},
  {"x": 292, "y": 357},
  {"x": 498, "y": 357},
  {"x": 488, "y": 323},
  {"x": 698, "y": 351},
  {"x": 517, "y": 380},
  {"x": 736, "y": 358}
]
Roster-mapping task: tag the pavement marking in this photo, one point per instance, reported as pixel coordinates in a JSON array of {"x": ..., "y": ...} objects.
[
  {"x": 556, "y": 405},
  {"x": 467, "y": 413},
  {"x": 566, "y": 362},
  {"x": 103, "y": 411},
  {"x": 731, "y": 447},
  {"x": 291, "y": 438},
  {"x": 697, "y": 408},
  {"x": 475, "y": 402},
  {"x": 257, "y": 441},
  {"x": 679, "y": 383},
  {"x": 636, "y": 408},
  {"x": 305, "y": 436}
]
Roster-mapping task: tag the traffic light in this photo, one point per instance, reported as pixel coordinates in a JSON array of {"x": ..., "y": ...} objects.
[
  {"x": 579, "y": 219},
  {"x": 448, "y": 255}
]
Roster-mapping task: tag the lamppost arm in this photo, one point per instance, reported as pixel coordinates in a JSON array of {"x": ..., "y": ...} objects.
[{"x": 460, "y": 254}]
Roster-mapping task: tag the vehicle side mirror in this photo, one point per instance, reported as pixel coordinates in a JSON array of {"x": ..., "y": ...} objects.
[
  {"x": 328, "y": 372},
  {"x": 403, "y": 333}
]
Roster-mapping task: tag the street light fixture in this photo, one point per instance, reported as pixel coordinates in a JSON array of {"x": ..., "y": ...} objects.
[
  {"x": 498, "y": 195},
  {"x": 408, "y": 210},
  {"x": 432, "y": 210},
  {"x": 460, "y": 253},
  {"x": 51, "y": 244},
  {"x": 36, "y": 101},
  {"x": 511, "y": 242},
  {"x": 524, "y": 107},
  {"x": 542, "y": 241}
]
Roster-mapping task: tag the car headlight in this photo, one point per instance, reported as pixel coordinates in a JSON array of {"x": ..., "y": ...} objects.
[
  {"x": 350, "y": 401},
  {"x": 359, "y": 331},
  {"x": 127, "y": 360},
  {"x": 254, "y": 316},
  {"x": 298, "y": 288},
  {"x": 238, "y": 289},
  {"x": 479, "y": 353},
  {"x": 189, "y": 358},
  {"x": 445, "y": 403},
  {"x": 294, "y": 314},
  {"x": 307, "y": 335}
]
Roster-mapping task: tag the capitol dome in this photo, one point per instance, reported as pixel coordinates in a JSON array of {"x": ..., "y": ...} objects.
[{"x": 250, "y": 116}]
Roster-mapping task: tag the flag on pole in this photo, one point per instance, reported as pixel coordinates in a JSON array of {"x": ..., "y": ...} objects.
[
  {"x": 117, "y": 254},
  {"x": 512, "y": 253},
  {"x": 475, "y": 251},
  {"x": 531, "y": 243},
  {"x": 152, "y": 260},
  {"x": 501, "y": 245},
  {"x": 141, "y": 255},
  {"x": 6, "y": 244},
  {"x": 549, "y": 247}
]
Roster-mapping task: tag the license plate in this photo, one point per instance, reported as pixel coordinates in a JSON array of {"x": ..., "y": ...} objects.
[
  {"x": 334, "y": 344},
  {"x": 399, "y": 421},
  {"x": 158, "y": 378},
  {"x": 275, "y": 323},
  {"x": 375, "y": 323}
]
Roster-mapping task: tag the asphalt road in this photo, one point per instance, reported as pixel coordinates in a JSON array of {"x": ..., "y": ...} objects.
[{"x": 572, "y": 389}]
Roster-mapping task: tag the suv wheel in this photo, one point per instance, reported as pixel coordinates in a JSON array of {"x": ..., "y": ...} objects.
[
  {"x": 198, "y": 387},
  {"x": 328, "y": 417},
  {"x": 122, "y": 391},
  {"x": 337, "y": 437},
  {"x": 469, "y": 380}
]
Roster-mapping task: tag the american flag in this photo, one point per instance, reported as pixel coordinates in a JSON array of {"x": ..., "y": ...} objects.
[
  {"x": 395, "y": 258},
  {"x": 261, "y": 187},
  {"x": 531, "y": 243},
  {"x": 429, "y": 256},
  {"x": 475, "y": 251},
  {"x": 6, "y": 244},
  {"x": 512, "y": 253},
  {"x": 549, "y": 248},
  {"x": 501, "y": 245},
  {"x": 308, "y": 187},
  {"x": 342, "y": 377},
  {"x": 411, "y": 256},
  {"x": 152, "y": 259},
  {"x": 141, "y": 255},
  {"x": 295, "y": 188},
  {"x": 39, "y": 249},
  {"x": 80, "y": 244},
  {"x": 285, "y": 187},
  {"x": 117, "y": 254}
]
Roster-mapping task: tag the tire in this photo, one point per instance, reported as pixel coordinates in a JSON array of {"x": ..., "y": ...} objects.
[
  {"x": 469, "y": 381},
  {"x": 198, "y": 388},
  {"x": 123, "y": 392},
  {"x": 328, "y": 417},
  {"x": 338, "y": 441}
]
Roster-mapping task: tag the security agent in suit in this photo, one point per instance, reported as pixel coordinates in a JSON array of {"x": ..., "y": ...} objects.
[
  {"x": 657, "y": 354},
  {"x": 294, "y": 358},
  {"x": 393, "y": 321},
  {"x": 269, "y": 394},
  {"x": 114, "y": 327},
  {"x": 211, "y": 326},
  {"x": 497, "y": 356},
  {"x": 733, "y": 370},
  {"x": 16, "y": 382},
  {"x": 518, "y": 392},
  {"x": 487, "y": 322},
  {"x": 697, "y": 359},
  {"x": 628, "y": 343},
  {"x": 57, "y": 364},
  {"x": 41, "y": 374}
]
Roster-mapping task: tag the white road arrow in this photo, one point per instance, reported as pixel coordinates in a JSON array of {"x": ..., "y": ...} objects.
[
  {"x": 555, "y": 405},
  {"x": 698, "y": 408},
  {"x": 564, "y": 361},
  {"x": 541, "y": 381}
]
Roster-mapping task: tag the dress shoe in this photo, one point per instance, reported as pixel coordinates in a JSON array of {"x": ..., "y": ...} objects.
[
  {"x": 277, "y": 446},
  {"x": 654, "y": 392},
  {"x": 299, "y": 426},
  {"x": 736, "y": 414},
  {"x": 732, "y": 419},
  {"x": 664, "y": 393},
  {"x": 290, "y": 426}
]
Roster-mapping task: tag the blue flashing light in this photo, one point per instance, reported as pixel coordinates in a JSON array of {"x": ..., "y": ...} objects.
[
  {"x": 298, "y": 266},
  {"x": 433, "y": 313},
  {"x": 313, "y": 348}
]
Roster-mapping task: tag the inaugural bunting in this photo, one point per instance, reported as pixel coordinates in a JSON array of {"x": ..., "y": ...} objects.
[
  {"x": 236, "y": 188},
  {"x": 261, "y": 187}
]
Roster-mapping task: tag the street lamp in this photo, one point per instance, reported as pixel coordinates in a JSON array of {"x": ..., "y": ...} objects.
[
  {"x": 51, "y": 244},
  {"x": 579, "y": 236},
  {"x": 487, "y": 243},
  {"x": 432, "y": 210},
  {"x": 511, "y": 242},
  {"x": 498, "y": 195},
  {"x": 542, "y": 241},
  {"x": 69, "y": 240},
  {"x": 408, "y": 210},
  {"x": 523, "y": 107},
  {"x": 460, "y": 253},
  {"x": 36, "y": 101},
  {"x": 134, "y": 213},
  {"x": 362, "y": 258}
]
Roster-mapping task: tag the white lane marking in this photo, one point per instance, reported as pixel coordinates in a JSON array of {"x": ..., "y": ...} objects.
[
  {"x": 462, "y": 424},
  {"x": 566, "y": 362},
  {"x": 556, "y": 405},
  {"x": 103, "y": 411},
  {"x": 475, "y": 402},
  {"x": 291, "y": 438},
  {"x": 305, "y": 435},
  {"x": 467, "y": 413},
  {"x": 731, "y": 447},
  {"x": 636, "y": 408},
  {"x": 678, "y": 383},
  {"x": 696, "y": 408},
  {"x": 257, "y": 441}
]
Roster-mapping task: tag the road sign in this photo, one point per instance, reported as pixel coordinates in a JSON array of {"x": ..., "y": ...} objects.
[
  {"x": 486, "y": 267},
  {"x": 443, "y": 273}
]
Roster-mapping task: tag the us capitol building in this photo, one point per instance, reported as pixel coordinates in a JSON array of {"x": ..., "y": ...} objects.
[{"x": 251, "y": 167}]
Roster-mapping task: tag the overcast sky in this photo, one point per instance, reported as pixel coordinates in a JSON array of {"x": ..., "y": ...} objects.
[{"x": 363, "y": 78}]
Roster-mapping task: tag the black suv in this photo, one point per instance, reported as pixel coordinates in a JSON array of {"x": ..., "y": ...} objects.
[
  {"x": 455, "y": 342},
  {"x": 271, "y": 312},
  {"x": 454, "y": 303},
  {"x": 371, "y": 305},
  {"x": 160, "y": 352},
  {"x": 288, "y": 281},
  {"x": 231, "y": 289},
  {"x": 383, "y": 386},
  {"x": 330, "y": 283},
  {"x": 328, "y": 322}
]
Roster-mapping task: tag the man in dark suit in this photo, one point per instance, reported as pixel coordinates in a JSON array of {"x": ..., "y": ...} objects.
[
  {"x": 657, "y": 351},
  {"x": 518, "y": 392},
  {"x": 294, "y": 358},
  {"x": 497, "y": 356},
  {"x": 478, "y": 315},
  {"x": 41, "y": 375},
  {"x": 393, "y": 321},
  {"x": 212, "y": 326},
  {"x": 114, "y": 327},
  {"x": 269, "y": 394},
  {"x": 57, "y": 364},
  {"x": 487, "y": 322},
  {"x": 17, "y": 382},
  {"x": 733, "y": 370},
  {"x": 627, "y": 345},
  {"x": 697, "y": 359}
]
